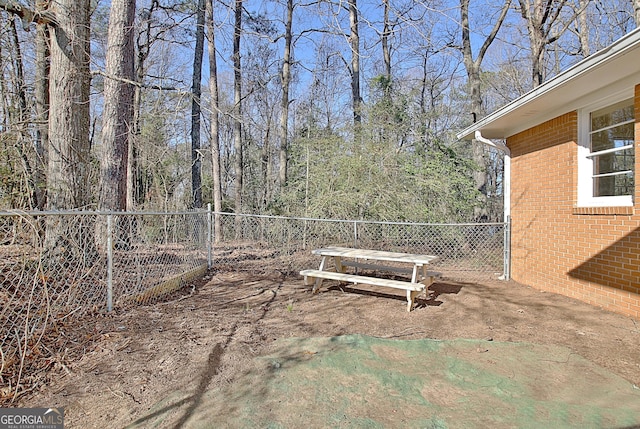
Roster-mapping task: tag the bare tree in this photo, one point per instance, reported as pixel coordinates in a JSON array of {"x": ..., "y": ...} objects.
[
  {"x": 19, "y": 120},
  {"x": 41, "y": 93},
  {"x": 583, "y": 27},
  {"x": 237, "y": 109},
  {"x": 542, "y": 17},
  {"x": 215, "y": 122},
  {"x": 354, "y": 39},
  {"x": 158, "y": 26},
  {"x": 35, "y": 172},
  {"x": 472, "y": 65},
  {"x": 117, "y": 117},
  {"x": 254, "y": 158},
  {"x": 146, "y": 37},
  {"x": 69, "y": 149},
  {"x": 196, "y": 93},
  {"x": 386, "y": 32},
  {"x": 284, "y": 104}
]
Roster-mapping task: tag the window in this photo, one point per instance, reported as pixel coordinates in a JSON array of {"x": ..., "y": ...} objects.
[{"x": 606, "y": 157}]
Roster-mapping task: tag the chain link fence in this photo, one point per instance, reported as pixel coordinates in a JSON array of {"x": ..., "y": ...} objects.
[
  {"x": 472, "y": 252},
  {"x": 59, "y": 267},
  {"x": 56, "y": 267}
]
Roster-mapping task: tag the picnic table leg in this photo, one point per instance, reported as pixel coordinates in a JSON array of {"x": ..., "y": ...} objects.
[
  {"x": 424, "y": 279},
  {"x": 318, "y": 282},
  {"x": 338, "y": 264},
  {"x": 411, "y": 296},
  {"x": 414, "y": 274}
]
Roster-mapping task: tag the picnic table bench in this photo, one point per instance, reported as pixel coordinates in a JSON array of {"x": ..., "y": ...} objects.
[{"x": 344, "y": 257}]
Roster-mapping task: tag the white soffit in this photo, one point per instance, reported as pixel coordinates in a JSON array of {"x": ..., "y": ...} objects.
[{"x": 611, "y": 70}]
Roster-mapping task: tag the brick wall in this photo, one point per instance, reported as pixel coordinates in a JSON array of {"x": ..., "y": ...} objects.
[{"x": 591, "y": 254}]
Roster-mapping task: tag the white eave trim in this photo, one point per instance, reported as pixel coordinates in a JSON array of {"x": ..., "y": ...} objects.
[{"x": 577, "y": 75}]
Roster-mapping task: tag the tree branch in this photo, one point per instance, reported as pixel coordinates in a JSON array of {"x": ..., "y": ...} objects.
[
  {"x": 27, "y": 15},
  {"x": 134, "y": 83},
  {"x": 494, "y": 31}
]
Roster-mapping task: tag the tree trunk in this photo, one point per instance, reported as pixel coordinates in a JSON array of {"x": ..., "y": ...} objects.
[
  {"x": 135, "y": 184},
  {"x": 133, "y": 173},
  {"x": 284, "y": 105},
  {"x": 539, "y": 53},
  {"x": 386, "y": 53},
  {"x": 68, "y": 184},
  {"x": 196, "y": 92},
  {"x": 237, "y": 113},
  {"x": 41, "y": 93},
  {"x": 354, "y": 39},
  {"x": 473, "y": 68},
  {"x": 215, "y": 124},
  {"x": 68, "y": 168},
  {"x": 265, "y": 194},
  {"x": 636, "y": 11},
  {"x": 117, "y": 117},
  {"x": 541, "y": 17},
  {"x": 19, "y": 122},
  {"x": 583, "y": 28}
]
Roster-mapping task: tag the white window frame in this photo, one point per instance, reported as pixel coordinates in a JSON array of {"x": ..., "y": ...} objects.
[{"x": 585, "y": 160}]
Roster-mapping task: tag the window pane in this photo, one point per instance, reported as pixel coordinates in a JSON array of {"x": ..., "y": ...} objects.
[
  {"x": 619, "y": 136},
  {"x": 614, "y": 161},
  {"x": 619, "y": 112},
  {"x": 613, "y": 185},
  {"x": 613, "y": 128}
]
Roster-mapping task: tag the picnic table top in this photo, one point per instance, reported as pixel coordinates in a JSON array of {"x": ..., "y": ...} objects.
[{"x": 379, "y": 255}]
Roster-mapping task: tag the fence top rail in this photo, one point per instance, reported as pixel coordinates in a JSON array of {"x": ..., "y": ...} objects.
[
  {"x": 9, "y": 213},
  {"x": 96, "y": 213},
  {"x": 360, "y": 220}
]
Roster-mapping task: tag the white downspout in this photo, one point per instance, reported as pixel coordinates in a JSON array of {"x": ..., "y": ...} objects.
[{"x": 506, "y": 185}]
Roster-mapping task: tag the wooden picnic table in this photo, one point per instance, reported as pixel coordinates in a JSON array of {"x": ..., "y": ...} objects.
[{"x": 345, "y": 257}]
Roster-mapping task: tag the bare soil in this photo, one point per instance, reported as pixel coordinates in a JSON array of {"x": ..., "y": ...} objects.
[{"x": 207, "y": 335}]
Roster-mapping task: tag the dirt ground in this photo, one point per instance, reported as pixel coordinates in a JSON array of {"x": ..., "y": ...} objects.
[{"x": 209, "y": 335}]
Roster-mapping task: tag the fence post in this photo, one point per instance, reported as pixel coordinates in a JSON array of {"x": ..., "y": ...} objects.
[
  {"x": 355, "y": 233},
  {"x": 209, "y": 240},
  {"x": 507, "y": 249},
  {"x": 109, "y": 262},
  {"x": 304, "y": 233}
]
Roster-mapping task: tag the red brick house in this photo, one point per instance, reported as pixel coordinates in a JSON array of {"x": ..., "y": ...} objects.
[{"x": 572, "y": 167}]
